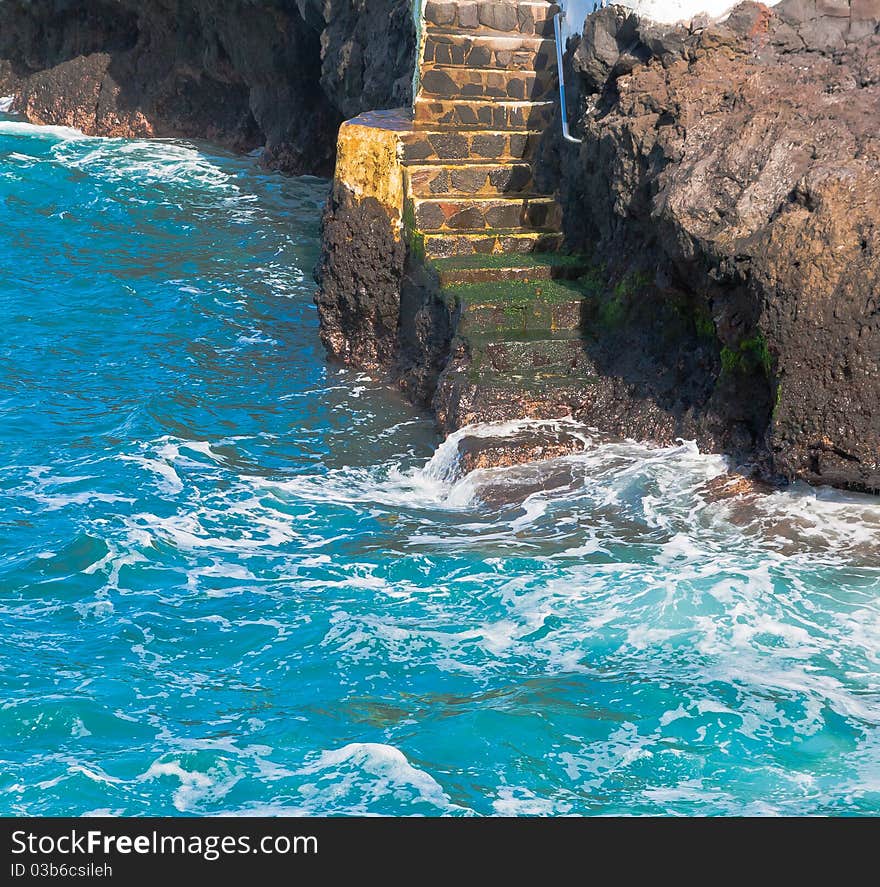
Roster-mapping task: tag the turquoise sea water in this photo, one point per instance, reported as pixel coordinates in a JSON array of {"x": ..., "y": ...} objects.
[{"x": 236, "y": 579}]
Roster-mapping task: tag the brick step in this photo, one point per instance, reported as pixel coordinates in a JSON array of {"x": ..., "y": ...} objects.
[
  {"x": 476, "y": 214},
  {"x": 448, "y": 81},
  {"x": 527, "y": 18},
  {"x": 484, "y": 179},
  {"x": 473, "y": 114},
  {"x": 428, "y": 145},
  {"x": 442, "y": 245},
  {"x": 520, "y": 307},
  {"x": 489, "y": 51},
  {"x": 474, "y": 396}
]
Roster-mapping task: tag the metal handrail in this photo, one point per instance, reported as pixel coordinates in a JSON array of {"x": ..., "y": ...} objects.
[{"x": 563, "y": 107}]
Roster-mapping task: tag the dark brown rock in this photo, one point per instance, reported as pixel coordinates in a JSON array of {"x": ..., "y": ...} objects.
[{"x": 281, "y": 74}]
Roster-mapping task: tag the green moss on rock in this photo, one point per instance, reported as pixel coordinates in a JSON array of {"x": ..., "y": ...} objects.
[
  {"x": 518, "y": 292},
  {"x": 508, "y": 260},
  {"x": 748, "y": 356}
]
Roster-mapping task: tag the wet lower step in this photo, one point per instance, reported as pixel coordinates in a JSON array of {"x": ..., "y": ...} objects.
[
  {"x": 518, "y": 309},
  {"x": 560, "y": 356}
]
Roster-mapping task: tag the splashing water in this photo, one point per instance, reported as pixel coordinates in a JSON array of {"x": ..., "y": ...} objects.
[{"x": 236, "y": 580}]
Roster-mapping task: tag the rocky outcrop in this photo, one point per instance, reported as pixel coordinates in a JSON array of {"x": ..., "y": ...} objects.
[
  {"x": 730, "y": 178},
  {"x": 277, "y": 74}
]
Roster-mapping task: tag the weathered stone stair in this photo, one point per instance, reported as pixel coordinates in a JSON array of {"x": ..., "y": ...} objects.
[{"x": 487, "y": 93}]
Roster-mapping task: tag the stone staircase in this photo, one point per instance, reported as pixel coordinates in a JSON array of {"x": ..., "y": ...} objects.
[
  {"x": 487, "y": 92},
  {"x": 488, "y": 278}
]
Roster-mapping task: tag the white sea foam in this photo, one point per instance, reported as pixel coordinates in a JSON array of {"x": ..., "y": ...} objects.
[
  {"x": 362, "y": 774},
  {"x": 521, "y": 801},
  {"x": 49, "y": 133},
  {"x": 156, "y": 163},
  {"x": 194, "y": 786},
  {"x": 635, "y": 573}
]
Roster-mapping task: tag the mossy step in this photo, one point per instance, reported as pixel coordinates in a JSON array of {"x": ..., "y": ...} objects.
[
  {"x": 561, "y": 357},
  {"x": 479, "y": 339},
  {"x": 483, "y": 114},
  {"x": 519, "y": 292},
  {"x": 474, "y": 214},
  {"x": 546, "y": 383},
  {"x": 442, "y": 246},
  {"x": 470, "y": 179},
  {"x": 431, "y": 145},
  {"x": 445, "y": 81},
  {"x": 513, "y": 267},
  {"x": 517, "y": 307},
  {"x": 503, "y": 16},
  {"x": 486, "y": 50}
]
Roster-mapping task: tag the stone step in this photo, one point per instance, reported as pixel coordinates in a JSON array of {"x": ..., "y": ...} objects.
[
  {"x": 428, "y": 145},
  {"x": 473, "y": 395},
  {"x": 518, "y": 53},
  {"x": 475, "y": 214},
  {"x": 550, "y": 357},
  {"x": 442, "y": 245},
  {"x": 495, "y": 115},
  {"x": 447, "y": 81},
  {"x": 484, "y": 179},
  {"x": 524, "y": 306},
  {"x": 554, "y": 276},
  {"x": 527, "y": 18}
]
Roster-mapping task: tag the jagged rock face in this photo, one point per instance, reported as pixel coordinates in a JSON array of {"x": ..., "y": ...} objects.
[
  {"x": 738, "y": 165},
  {"x": 360, "y": 279},
  {"x": 245, "y": 73}
]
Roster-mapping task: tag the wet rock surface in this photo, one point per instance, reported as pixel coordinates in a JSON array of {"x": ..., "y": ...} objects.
[
  {"x": 360, "y": 278},
  {"x": 277, "y": 74},
  {"x": 536, "y": 444}
]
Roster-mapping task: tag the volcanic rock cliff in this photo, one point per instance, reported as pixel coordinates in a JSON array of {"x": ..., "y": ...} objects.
[
  {"x": 733, "y": 170},
  {"x": 278, "y": 74}
]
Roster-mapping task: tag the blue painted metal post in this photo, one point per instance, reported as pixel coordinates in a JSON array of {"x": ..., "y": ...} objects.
[{"x": 563, "y": 107}]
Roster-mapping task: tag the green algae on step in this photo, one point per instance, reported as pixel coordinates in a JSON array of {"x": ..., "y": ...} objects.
[
  {"x": 518, "y": 307},
  {"x": 508, "y": 260},
  {"x": 509, "y": 267}
]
